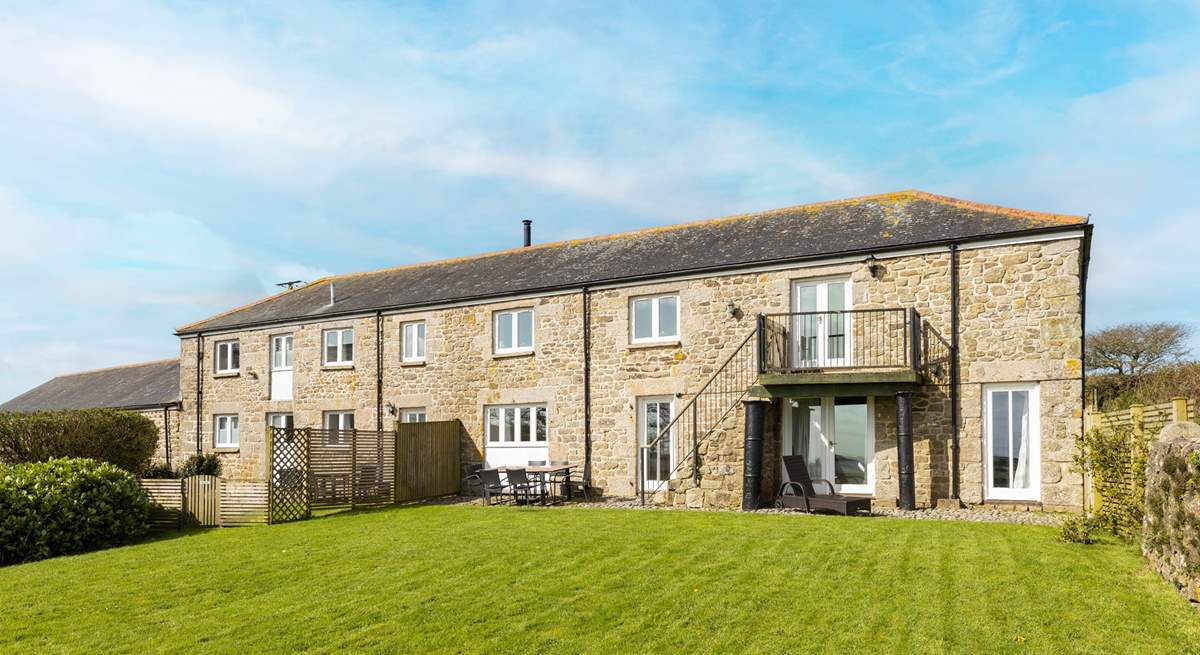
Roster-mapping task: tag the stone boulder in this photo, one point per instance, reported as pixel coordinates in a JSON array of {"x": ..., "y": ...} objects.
[{"x": 1171, "y": 528}]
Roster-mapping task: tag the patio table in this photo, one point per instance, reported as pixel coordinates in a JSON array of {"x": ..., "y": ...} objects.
[{"x": 546, "y": 470}]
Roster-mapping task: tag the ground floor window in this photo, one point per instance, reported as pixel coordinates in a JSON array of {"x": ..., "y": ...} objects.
[
  {"x": 1012, "y": 431},
  {"x": 225, "y": 431},
  {"x": 657, "y": 438},
  {"x": 412, "y": 415},
  {"x": 337, "y": 423},
  {"x": 516, "y": 424},
  {"x": 836, "y": 437}
]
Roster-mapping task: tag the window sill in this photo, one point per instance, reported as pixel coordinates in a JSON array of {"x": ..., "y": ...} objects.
[
  {"x": 642, "y": 345},
  {"x": 227, "y": 374},
  {"x": 337, "y": 367},
  {"x": 226, "y": 450},
  {"x": 417, "y": 363},
  {"x": 521, "y": 353}
]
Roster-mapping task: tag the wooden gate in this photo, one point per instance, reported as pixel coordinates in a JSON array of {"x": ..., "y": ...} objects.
[
  {"x": 202, "y": 500},
  {"x": 427, "y": 459}
]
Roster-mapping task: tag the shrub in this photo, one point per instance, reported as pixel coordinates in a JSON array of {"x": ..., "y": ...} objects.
[
  {"x": 125, "y": 439},
  {"x": 206, "y": 464},
  {"x": 1077, "y": 530},
  {"x": 66, "y": 506},
  {"x": 158, "y": 472}
]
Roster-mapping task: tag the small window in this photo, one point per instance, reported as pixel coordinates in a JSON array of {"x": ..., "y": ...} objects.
[
  {"x": 339, "y": 346},
  {"x": 281, "y": 352},
  {"x": 412, "y": 415},
  {"x": 229, "y": 357},
  {"x": 655, "y": 318},
  {"x": 517, "y": 425},
  {"x": 225, "y": 431},
  {"x": 336, "y": 425},
  {"x": 414, "y": 342},
  {"x": 514, "y": 331}
]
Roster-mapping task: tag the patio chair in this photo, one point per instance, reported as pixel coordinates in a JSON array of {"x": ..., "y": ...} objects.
[
  {"x": 521, "y": 485},
  {"x": 491, "y": 485},
  {"x": 799, "y": 492},
  {"x": 566, "y": 484},
  {"x": 471, "y": 476}
]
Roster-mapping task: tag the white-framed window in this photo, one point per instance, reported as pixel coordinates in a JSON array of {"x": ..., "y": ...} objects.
[
  {"x": 280, "y": 420},
  {"x": 225, "y": 431},
  {"x": 339, "y": 346},
  {"x": 412, "y": 415},
  {"x": 513, "y": 329},
  {"x": 654, "y": 318},
  {"x": 281, "y": 352},
  {"x": 228, "y": 357},
  {"x": 1012, "y": 425},
  {"x": 516, "y": 425},
  {"x": 413, "y": 336},
  {"x": 336, "y": 424},
  {"x": 658, "y": 454}
]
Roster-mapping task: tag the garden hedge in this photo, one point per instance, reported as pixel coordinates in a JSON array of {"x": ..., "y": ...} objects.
[
  {"x": 67, "y": 506},
  {"x": 126, "y": 439}
]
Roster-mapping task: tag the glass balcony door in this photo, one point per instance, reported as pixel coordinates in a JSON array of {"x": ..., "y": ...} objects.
[{"x": 820, "y": 325}]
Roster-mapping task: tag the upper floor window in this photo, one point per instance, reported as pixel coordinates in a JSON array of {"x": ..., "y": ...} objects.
[
  {"x": 413, "y": 335},
  {"x": 655, "y": 318},
  {"x": 225, "y": 431},
  {"x": 281, "y": 352},
  {"x": 514, "y": 331},
  {"x": 339, "y": 346},
  {"x": 229, "y": 358}
]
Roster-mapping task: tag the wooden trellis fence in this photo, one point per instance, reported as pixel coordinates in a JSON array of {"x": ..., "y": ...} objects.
[{"x": 327, "y": 469}]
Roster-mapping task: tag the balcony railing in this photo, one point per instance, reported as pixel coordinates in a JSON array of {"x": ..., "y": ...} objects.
[{"x": 851, "y": 339}]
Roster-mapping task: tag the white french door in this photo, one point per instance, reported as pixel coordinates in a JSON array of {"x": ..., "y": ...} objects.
[
  {"x": 836, "y": 436},
  {"x": 658, "y": 461},
  {"x": 1012, "y": 426},
  {"x": 281, "y": 367},
  {"x": 820, "y": 329}
]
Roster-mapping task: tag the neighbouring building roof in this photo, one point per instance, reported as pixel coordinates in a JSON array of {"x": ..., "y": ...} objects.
[
  {"x": 856, "y": 225},
  {"x": 133, "y": 386}
]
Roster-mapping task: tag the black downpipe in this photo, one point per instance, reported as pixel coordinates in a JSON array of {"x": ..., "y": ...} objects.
[
  {"x": 753, "y": 455},
  {"x": 199, "y": 387},
  {"x": 954, "y": 380},
  {"x": 379, "y": 370},
  {"x": 587, "y": 387},
  {"x": 1085, "y": 260},
  {"x": 904, "y": 450},
  {"x": 167, "y": 433}
]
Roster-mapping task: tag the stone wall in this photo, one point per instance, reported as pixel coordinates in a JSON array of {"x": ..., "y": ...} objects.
[
  {"x": 1020, "y": 322},
  {"x": 167, "y": 422},
  {"x": 1171, "y": 528}
]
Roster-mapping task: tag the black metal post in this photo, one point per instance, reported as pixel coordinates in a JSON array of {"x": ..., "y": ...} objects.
[
  {"x": 904, "y": 450},
  {"x": 914, "y": 339},
  {"x": 756, "y": 411}
]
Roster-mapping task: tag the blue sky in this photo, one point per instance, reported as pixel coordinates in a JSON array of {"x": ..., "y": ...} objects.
[{"x": 163, "y": 162}]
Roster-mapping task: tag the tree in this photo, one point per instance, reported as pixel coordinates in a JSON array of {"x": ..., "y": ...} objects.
[{"x": 1132, "y": 350}]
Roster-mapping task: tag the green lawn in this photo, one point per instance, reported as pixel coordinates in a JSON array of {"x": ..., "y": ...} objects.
[{"x": 514, "y": 580}]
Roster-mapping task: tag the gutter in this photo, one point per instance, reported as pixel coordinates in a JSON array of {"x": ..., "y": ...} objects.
[{"x": 578, "y": 287}]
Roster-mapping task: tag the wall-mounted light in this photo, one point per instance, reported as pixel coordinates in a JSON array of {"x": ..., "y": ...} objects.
[
  {"x": 734, "y": 311},
  {"x": 873, "y": 266},
  {"x": 392, "y": 410}
]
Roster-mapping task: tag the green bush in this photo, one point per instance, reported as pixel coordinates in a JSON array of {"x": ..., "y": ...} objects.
[
  {"x": 206, "y": 464},
  {"x": 67, "y": 506},
  {"x": 125, "y": 439},
  {"x": 1078, "y": 530},
  {"x": 158, "y": 472}
]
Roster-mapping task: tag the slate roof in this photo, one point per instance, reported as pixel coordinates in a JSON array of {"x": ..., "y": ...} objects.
[
  {"x": 856, "y": 225},
  {"x": 149, "y": 384}
]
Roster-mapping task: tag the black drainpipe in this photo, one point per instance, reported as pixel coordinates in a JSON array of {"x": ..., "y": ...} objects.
[
  {"x": 167, "y": 433},
  {"x": 587, "y": 387},
  {"x": 199, "y": 388},
  {"x": 954, "y": 392},
  {"x": 378, "y": 370},
  {"x": 1084, "y": 263}
]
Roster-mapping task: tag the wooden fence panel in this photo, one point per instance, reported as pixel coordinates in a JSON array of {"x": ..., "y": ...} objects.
[
  {"x": 243, "y": 503},
  {"x": 202, "y": 500},
  {"x": 427, "y": 459},
  {"x": 167, "y": 497}
]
